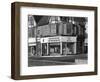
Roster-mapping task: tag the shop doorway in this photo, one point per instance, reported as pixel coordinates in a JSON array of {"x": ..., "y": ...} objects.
[{"x": 44, "y": 49}]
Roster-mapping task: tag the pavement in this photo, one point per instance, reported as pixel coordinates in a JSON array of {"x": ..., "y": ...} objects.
[{"x": 57, "y": 60}]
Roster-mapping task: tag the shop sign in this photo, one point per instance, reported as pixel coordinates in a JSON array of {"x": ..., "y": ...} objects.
[
  {"x": 44, "y": 40},
  {"x": 68, "y": 39},
  {"x": 54, "y": 39}
]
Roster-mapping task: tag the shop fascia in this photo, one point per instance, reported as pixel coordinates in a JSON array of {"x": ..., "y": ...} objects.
[{"x": 53, "y": 39}]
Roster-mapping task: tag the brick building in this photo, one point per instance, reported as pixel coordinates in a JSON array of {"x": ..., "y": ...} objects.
[{"x": 55, "y": 35}]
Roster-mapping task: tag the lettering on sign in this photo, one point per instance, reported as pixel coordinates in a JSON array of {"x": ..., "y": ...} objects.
[
  {"x": 68, "y": 39},
  {"x": 54, "y": 39}
]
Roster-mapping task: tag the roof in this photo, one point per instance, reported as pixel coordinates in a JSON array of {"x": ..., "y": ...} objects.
[{"x": 42, "y": 20}]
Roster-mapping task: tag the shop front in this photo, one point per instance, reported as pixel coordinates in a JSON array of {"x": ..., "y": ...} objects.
[
  {"x": 59, "y": 46},
  {"x": 54, "y": 46}
]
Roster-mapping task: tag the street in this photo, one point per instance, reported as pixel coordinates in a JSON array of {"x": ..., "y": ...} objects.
[{"x": 60, "y": 60}]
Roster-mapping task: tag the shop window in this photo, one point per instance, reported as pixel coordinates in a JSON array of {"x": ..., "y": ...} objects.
[
  {"x": 68, "y": 48},
  {"x": 31, "y": 50},
  {"x": 54, "y": 49}
]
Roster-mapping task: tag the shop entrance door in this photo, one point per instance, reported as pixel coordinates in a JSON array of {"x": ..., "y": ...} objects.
[{"x": 44, "y": 49}]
